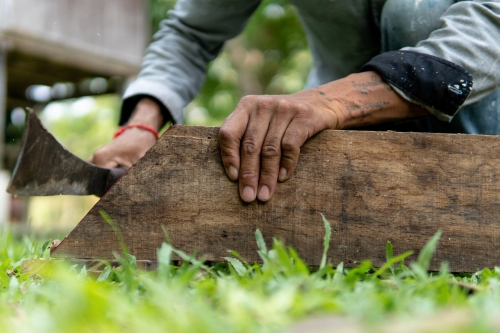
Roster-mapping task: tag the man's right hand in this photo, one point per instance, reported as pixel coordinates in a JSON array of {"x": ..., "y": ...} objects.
[
  {"x": 260, "y": 141},
  {"x": 126, "y": 149}
]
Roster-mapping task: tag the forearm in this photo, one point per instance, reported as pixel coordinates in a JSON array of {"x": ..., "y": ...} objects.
[
  {"x": 147, "y": 112},
  {"x": 174, "y": 66},
  {"x": 365, "y": 99}
]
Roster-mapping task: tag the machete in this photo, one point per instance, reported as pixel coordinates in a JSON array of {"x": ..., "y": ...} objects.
[{"x": 44, "y": 167}]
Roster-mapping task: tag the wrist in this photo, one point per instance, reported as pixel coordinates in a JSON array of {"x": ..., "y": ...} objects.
[
  {"x": 148, "y": 113},
  {"x": 143, "y": 127},
  {"x": 365, "y": 99},
  {"x": 339, "y": 111}
]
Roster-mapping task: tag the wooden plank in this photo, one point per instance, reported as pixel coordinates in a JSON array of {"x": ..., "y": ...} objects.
[
  {"x": 75, "y": 54},
  {"x": 373, "y": 187},
  {"x": 15, "y": 102},
  {"x": 113, "y": 31},
  {"x": 24, "y": 70}
]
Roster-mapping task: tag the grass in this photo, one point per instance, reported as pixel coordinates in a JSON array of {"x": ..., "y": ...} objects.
[{"x": 280, "y": 295}]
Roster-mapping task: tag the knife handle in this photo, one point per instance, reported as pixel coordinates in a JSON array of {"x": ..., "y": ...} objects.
[{"x": 113, "y": 175}]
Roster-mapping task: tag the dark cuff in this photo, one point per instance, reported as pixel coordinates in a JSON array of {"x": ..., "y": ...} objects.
[
  {"x": 434, "y": 82},
  {"x": 128, "y": 106}
]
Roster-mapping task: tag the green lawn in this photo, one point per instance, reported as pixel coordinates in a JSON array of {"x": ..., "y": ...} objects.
[{"x": 280, "y": 295}]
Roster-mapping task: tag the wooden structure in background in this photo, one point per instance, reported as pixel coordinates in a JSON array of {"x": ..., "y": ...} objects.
[
  {"x": 45, "y": 42},
  {"x": 373, "y": 187},
  {"x": 50, "y": 41}
]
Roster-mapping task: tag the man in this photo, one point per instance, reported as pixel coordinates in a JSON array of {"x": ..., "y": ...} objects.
[{"x": 431, "y": 52}]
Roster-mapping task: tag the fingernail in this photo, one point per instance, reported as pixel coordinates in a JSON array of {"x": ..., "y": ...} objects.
[
  {"x": 282, "y": 174},
  {"x": 264, "y": 193},
  {"x": 248, "y": 194},
  {"x": 233, "y": 173}
]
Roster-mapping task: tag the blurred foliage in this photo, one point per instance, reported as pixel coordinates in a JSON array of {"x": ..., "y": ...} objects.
[
  {"x": 158, "y": 11},
  {"x": 83, "y": 124},
  {"x": 269, "y": 57}
]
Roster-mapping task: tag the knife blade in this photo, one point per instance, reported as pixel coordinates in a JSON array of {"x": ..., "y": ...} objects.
[{"x": 44, "y": 167}]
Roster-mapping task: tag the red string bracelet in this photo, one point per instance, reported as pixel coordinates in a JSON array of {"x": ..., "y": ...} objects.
[{"x": 144, "y": 127}]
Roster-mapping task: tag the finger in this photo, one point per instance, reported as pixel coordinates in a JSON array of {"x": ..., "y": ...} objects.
[
  {"x": 251, "y": 146},
  {"x": 297, "y": 132},
  {"x": 110, "y": 165},
  {"x": 271, "y": 149},
  {"x": 230, "y": 135},
  {"x": 101, "y": 158}
]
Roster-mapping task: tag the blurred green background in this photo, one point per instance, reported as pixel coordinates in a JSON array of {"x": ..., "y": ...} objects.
[{"x": 269, "y": 57}]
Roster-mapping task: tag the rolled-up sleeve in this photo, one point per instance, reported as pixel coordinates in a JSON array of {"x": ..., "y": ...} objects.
[
  {"x": 457, "y": 65},
  {"x": 174, "y": 67}
]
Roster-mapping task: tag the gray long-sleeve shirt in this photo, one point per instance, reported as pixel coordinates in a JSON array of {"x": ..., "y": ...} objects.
[{"x": 343, "y": 36}]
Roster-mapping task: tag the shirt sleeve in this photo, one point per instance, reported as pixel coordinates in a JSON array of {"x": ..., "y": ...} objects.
[
  {"x": 459, "y": 64},
  {"x": 174, "y": 67}
]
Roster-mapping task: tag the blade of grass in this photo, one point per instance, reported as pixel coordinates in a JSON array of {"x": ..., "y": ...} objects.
[
  {"x": 388, "y": 251},
  {"x": 425, "y": 256},
  {"x": 105, "y": 274},
  {"x": 326, "y": 241},
  {"x": 237, "y": 265},
  {"x": 116, "y": 230},
  {"x": 392, "y": 261},
  {"x": 261, "y": 244}
]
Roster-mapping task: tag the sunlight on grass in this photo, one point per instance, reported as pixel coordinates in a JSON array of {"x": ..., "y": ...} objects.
[{"x": 280, "y": 295}]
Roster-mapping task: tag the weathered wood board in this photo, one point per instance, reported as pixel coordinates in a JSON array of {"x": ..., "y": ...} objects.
[
  {"x": 107, "y": 37},
  {"x": 373, "y": 187}
]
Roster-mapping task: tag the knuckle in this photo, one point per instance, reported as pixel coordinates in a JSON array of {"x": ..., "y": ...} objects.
[
  {"x": 265, "y": 102},
  {"x": 247, "y": 99},
  {"x": 249, "y": 147},
  {"x": 267, "y": 177},
  {"x": 228, "y": 154},
  {"x": 99, "y": 155},
  {"x": 225, "y": 134},
  {"x": 269, "y": 172},
  {"x": 289, "y": 143},
  {"x": 284, "y": 106},
  {"x": 270, "y": 151},
  {"x": 302, "y": 108},
  {"x": 247, "y": 176},
  {"x": 289, "y": 159}
]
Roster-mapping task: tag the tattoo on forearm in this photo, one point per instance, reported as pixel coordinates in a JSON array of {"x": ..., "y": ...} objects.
[
  {"x": 323, "y": 94},
  {"x": 377, "y": 105},
  {"x": 364, "y": 87},
  {"x": 352, "y": 109}
]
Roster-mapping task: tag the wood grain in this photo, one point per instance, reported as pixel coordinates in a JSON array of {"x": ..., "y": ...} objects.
[{"x": 373, "y": 187}]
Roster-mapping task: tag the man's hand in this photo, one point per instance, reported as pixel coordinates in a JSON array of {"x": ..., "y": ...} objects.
[
  {"x": 132, "y": 144},
  {"x": 260, "y": 141}
]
